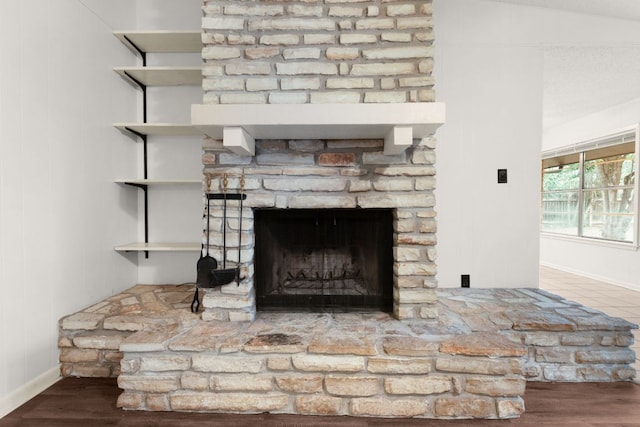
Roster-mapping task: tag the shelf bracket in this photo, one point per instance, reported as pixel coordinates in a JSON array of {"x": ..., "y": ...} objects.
[{"x": 144, "y": 188}]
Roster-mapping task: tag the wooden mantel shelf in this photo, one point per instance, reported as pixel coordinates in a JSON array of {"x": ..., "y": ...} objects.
[{"x": 238, "y": 125}]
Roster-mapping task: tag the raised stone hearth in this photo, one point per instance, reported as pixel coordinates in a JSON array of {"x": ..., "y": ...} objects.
[{"x": 473, "y": 362}]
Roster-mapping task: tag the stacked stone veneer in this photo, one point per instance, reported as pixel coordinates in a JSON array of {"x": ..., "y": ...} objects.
[
  {"x": 317, "y": 51},
  {"x": 473, "y": 361},
  {"x": 331, "y": 174},
  {"x": 211, "y": 368},
  {"x": 331, "y": 51}
]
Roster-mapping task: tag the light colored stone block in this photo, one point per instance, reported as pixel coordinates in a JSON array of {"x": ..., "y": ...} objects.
[
  {"x": 411, "y": 366},
  {"x": 318, "y": 405},
  {"x": 422, "y": 384},
  {"x": 310, "y": 68},
  {"x": 218, "y": 52},
  {"x": 226, "y": 364},
  {"x": 344, "y": 11},
  {"x": 222, "y": 23},
  {"x": 496, "y": 386},
  {"x": 300, "y": 383},
  {"x": 396, "y": 37},
  {"x": 74, "y": 355},
  {"x": 382, "y": 69},
  {"x": 249, "y": 68},
  {"x": 300, "y": 83},
  {"x": 465, "y": 407},
  {"x": 149, "y": 384},
  {"x": 287, "y": 98},
  {"x": 164, "y": 362},
  {"x": 349, "y": 83},
  {"x": 351, "y": 386},
  {"x": 301, "y": 53},
  {"x": 324, "y": 363},
  {"x": 242, "y": 382},
  {"x": 82, "y": 321},
  {"x": 342, "y": 53},
  {"x": 253, "y": 10},
  {"x": 510, "y": 408},
  {"x": 261, "y": 84},
  {"x": 386, "y": 407},
  {"x": 303, "y": 10},
  {"x": 478, "y": 365},
  {"x": 194, "y": 381},
  {"x": 375, "y": 24},
  {"x": 261, "y": 52},
  {"x": 228, "y": 402},
  {"x": 293, "y": 24},
  {"x": 111, "y": 342},
  {"x": 319, "y": 39},
  {"x": 242, "y": 98},
  {"x": 338, "y": 97},
  {"x": 311, "y": 202},
  {"x": 401, "y": 9},
  {"x": 357, "y": 38},
  {"x": 280, "y": 39}
]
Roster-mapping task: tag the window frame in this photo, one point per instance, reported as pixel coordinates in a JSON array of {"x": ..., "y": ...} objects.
[{"x": 615, "y": 138}]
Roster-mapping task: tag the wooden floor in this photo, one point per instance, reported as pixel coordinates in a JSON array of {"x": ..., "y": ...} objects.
[{"x": 91, "y": 402}]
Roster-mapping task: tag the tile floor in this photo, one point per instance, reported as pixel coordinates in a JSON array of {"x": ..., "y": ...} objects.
[{"x": 611, "y": 299}]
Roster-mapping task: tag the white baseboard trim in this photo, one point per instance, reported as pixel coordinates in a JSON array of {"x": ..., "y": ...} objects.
[
  {"x": 27, "y": 391},
  {"x": 631, "y": 286}
]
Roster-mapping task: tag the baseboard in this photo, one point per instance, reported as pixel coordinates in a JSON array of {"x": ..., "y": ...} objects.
[
  {"x": 27, "y": 391},
  {"x": 631, "y": 286}
]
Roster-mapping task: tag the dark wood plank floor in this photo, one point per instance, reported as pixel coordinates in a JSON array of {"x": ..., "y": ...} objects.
[{"x": 91, "y": 402}]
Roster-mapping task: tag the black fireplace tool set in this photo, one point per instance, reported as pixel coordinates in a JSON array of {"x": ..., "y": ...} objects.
[{"x": 208, "y": 273}]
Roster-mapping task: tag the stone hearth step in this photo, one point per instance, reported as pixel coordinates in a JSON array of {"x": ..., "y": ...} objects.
[{"x": 473, "y": 362}]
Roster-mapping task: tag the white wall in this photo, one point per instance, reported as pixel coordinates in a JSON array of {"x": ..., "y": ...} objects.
[
  {"x": 490, "y": 67},
  {"x": 618, "y": 264},
  {"x": 60, "y": 213},
  {"x": 490, "y": 77}
]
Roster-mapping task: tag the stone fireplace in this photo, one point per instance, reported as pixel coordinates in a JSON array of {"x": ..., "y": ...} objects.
[
  {"x": 322, "y": 114},
  {"x": 323, "y": 106}
]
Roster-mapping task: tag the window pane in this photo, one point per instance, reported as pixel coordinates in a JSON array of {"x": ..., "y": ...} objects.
[
  {"x": 560, "y": 212},
  {"x": 608, "y": 214},
  {"x": 560, "y": 176},
  {"x": 611, "y": 170}
]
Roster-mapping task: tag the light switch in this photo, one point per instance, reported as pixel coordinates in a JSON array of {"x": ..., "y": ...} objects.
[{"x": 502, "y": 176}]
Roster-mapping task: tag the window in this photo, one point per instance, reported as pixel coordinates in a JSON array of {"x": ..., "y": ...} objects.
[{"x": 589, "y": 190}]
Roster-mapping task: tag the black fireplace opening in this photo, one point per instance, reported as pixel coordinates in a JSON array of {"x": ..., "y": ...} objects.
[{"x": 324, "y": 260}]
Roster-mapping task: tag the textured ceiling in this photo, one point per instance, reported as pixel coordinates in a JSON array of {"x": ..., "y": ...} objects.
[
  {"x": 624, "y": 9},
  {"x": 581, "y": 80}
]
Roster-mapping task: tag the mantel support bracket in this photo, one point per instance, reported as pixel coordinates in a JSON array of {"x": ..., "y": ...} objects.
[
  {"x": 398, "y": 140},
  {"x": 237, "y": 140}
]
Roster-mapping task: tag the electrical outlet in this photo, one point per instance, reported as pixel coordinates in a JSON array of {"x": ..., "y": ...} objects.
[
  {"x": 465, "y": 280},
  {"x": 502, "y": 176}
]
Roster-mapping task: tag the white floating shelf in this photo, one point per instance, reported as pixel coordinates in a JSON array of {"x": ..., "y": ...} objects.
[
  {"x": 239, "y": 124},
  {"x": 163, "y": 76},
  {"x": 158, "y": 181},
  {"x": 162, "y": 41},
  {"x": 159, "y": 247},
  {"x": 160, "y": 129}
]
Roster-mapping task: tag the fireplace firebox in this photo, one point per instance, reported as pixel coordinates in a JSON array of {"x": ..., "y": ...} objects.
[{"x": 324, "y": 260}]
